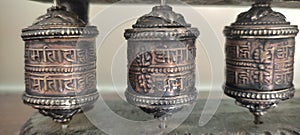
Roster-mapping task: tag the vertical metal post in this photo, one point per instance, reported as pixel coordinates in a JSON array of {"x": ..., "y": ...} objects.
[
  {"x": 56, "y": 2},
  {"x": 79, "y": 7},
  {"x": 162, "y": 2}
]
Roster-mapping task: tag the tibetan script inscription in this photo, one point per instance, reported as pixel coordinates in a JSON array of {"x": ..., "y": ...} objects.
[
  {"x": 174, "y": 56},
  {"x": 161, "y": 83},
  {"x": 166, "y": 70},
  {"x": 56, "y": 84},
  {"x": 53, "y": 70},
  {"x": 47, "y": 55},
  {"x": 260, "y": 64}
]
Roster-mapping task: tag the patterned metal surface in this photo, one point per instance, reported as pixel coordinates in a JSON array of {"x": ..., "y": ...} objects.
[
  {"x": 60, "y": 64},
  {"x": 260, "y": 48},
  {"x": 161, "y": 62}
]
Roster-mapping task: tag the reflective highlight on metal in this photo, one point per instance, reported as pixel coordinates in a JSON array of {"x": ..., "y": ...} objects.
[
  {"x": 260, "y": 49},
  {"x": 60, "y": 64},
  {"x": 161, "y": 62}
]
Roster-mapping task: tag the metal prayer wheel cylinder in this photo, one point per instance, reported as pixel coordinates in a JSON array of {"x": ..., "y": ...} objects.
[
  {"x": 260, "y": 49},
  {"x": 161, "y": 62},
  {"x": 60, "y": 64}
]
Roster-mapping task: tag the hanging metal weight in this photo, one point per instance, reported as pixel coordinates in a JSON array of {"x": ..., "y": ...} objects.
[
  {"x": 60, "y": 64},
  {"x": 260, "y": 49},
  {"x": 161, "y": 62}
]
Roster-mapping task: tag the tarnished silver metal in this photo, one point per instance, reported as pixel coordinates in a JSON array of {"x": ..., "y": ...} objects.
[
  {"x": 260, "y": 49},
  {"x": 60, "y": 64},
  {"x": 161, "y": 62}
]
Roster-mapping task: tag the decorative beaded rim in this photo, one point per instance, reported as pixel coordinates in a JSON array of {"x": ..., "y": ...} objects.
[
  {"x": 89, "y": 31},
  {"x": 259, "y": 102},
  {"x": 60, "y": 69},
  {"x": 161, "y": 102},
  {"x": 160, "y": 25},
  {"x": 260, "y": 96},
  {"x": 176, "y": 33},
  {"x": 59, "y": 102},
  {"x": 252, "y": 103},
  {"x": 260, "y": 23},
  {"x": 245, "y": 32},
  {"x": 187, "y": 68}
]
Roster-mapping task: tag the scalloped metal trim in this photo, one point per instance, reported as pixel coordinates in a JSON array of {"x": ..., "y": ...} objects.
[
  {"x": 142, "y": 101},
  {"x": 59, "y": 102}
]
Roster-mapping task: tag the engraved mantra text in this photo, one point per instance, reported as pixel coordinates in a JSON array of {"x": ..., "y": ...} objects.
[
  {"x": 166, "y": 56},
  {"x": 180, "y": 76},
  {"x": 260, "y": 63},
  {"x": 45, "y": 84},
  {"x": 47, "y": 55}
]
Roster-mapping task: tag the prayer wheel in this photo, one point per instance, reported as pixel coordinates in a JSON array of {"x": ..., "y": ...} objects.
[
  {"x": 260, "y": 48},
  {"x": 161, "y": 62},
  {"x": 60, "y": 64}
]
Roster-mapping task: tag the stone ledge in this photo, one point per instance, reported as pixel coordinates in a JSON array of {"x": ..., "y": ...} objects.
[{"x": 229, "y": 119}]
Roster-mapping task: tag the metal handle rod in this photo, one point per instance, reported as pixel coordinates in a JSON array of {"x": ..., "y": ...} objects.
[
  {"x": 56, "y": 2},
  {"x": 258, "y": 120},
  {"x": 163, "y": 124},
  {"x": 64, "y": 126},
  {"x": 162, "y": 2}
]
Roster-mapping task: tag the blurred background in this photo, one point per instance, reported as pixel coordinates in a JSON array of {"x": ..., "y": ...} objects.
[{"x": 111, "y": 65}]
